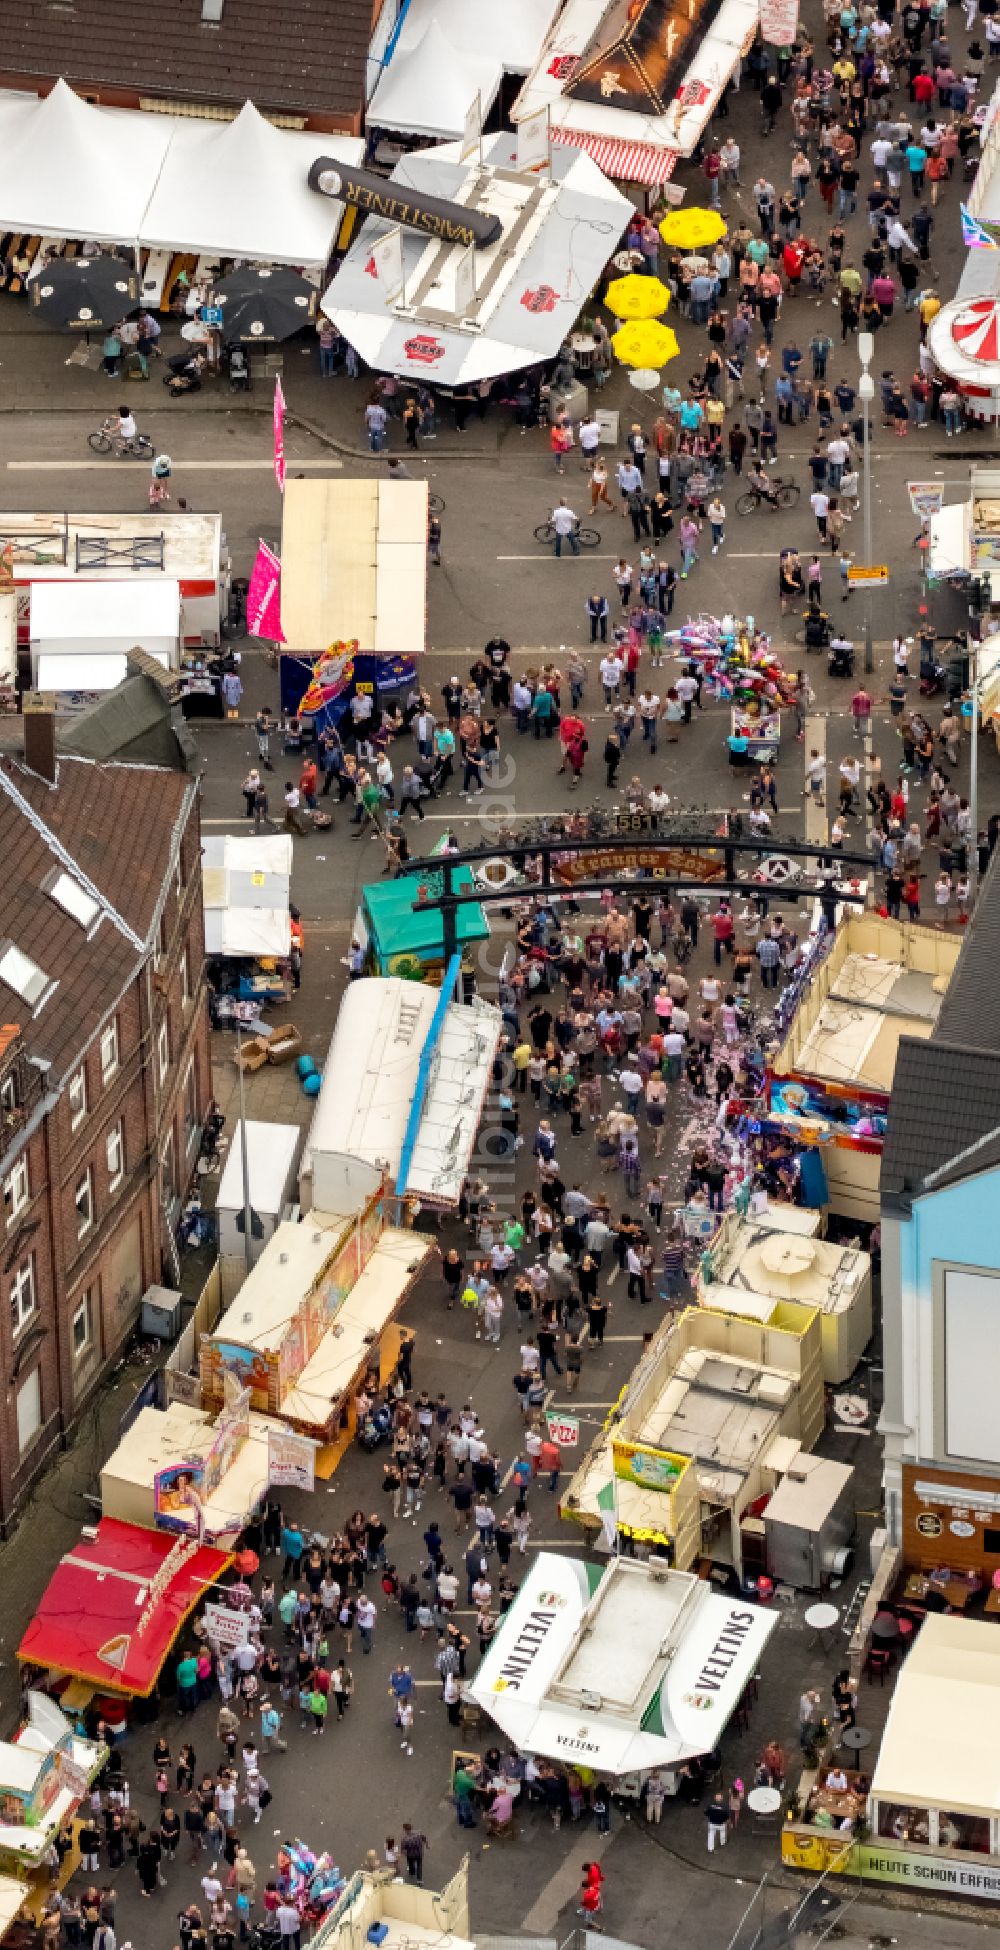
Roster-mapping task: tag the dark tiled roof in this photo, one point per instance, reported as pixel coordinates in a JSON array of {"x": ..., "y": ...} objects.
[
  {"x": 944, "y": 1115},
  {"x": 117, "y": 821},
  {"x": 944, "y": 1099},
  {"x": 293, "y": 56},
  {"x": 116, "y": 824}
]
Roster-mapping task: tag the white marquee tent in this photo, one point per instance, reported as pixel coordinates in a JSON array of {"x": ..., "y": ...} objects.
[
  {"x": 513, "y": 33},
  {"x": 429, "y": 87},
  {"x": 129, "y": 177}
]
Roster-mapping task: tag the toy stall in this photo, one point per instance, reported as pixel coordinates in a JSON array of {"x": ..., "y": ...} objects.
[
  {"x": 249, "y": 931},
  {"x": 45, "y": 1773},
  {"x": 737, "y": 663},
  {"x": 829, "y": 1084}
]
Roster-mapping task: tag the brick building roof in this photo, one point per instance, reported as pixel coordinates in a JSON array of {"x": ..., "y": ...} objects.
[
  {"x": 296, "y": 57},
  {"x": 112, "y": 829}
]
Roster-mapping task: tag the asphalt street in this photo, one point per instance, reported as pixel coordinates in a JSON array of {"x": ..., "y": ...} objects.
[{"x": 349, "y": 1790}]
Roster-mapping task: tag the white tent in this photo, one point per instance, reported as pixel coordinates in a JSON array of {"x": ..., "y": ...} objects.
[
  {"x": 513, "y": 32},
  {"x": 245, "y": 888},
  {"x": 125, "y": 176},
  {"x": 241, "y": 187},
  {"x": 429, "y": 88},
  {"x": 73, "y": 170}
]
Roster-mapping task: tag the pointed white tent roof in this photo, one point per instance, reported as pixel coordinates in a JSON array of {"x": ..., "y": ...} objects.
[
  {"x": 73, "y": 170},
  {"x": 241, "y": 188},
  {"x": 428, "y": 88},
  {"x": 514, "y": 32}
]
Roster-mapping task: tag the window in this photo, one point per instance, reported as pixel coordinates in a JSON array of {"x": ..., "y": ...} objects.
[
  {"x": 109, "y": 1051},
  {"x": 167, "y": 1170},
  {"x": 16, "y": 1190},
  {"x": 74, "y": 900},
  {"x": 24, "y": 976},
  {"x": 179, "y": 874},
  {"x": 8, "y": 1092},
  {"x": 23, "y": 1299},
  {"x": 29, "y": 1410},
  {"x": 83, "y": 1325},
  {"x": 116, "y": 1157},
  {"x": 77, "y": 1099},
  {"x": 162, "y": 933},
  {"x": 83, "y": 1199},
  {"x": 192, "y": 1119},
  {"x": 163, "y": 1050},
  {"x": 185, "y": 978}
]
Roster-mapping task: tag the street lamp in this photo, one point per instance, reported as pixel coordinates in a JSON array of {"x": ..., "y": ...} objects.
[{"x": 866, "y": 393}]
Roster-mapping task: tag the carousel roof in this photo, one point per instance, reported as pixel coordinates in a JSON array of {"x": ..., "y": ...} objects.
[{"x": 965, "y": 340}]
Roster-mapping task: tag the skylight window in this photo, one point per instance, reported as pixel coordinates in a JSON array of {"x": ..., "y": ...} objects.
[
  {"x": 74, "y": 900},
  {"x": 23, "y": 975}
]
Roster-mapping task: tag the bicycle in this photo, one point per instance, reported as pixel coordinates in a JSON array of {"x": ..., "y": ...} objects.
[
  {"x": 587, "y": 537},
  {"x": 107, "y": 440},
  {"x": 786, "y": 493},
  {"x": 436, "y": 504}
]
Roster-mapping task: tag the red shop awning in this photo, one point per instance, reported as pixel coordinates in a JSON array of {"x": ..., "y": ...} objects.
[
  {"x": 88, "y": 1619},
  {"x": 626, "y": 162}
]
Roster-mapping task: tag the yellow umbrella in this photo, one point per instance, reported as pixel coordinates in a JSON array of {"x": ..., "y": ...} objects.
[
  {"x": 636, "y": 297},
  {"x": 644, "y": 342},
  {"x": 692, "y": 230}
]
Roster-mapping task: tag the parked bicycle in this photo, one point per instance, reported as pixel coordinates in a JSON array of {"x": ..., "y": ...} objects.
[
  {"x": 782, "y": 492},
  {"x": 587, "y": 537},
  {"x": 108, "y": 440}
]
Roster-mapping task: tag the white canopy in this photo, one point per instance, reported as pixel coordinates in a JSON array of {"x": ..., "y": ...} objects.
[
  {"x": 941, "y": 1745},
  {"x": 245, "y": 888},
  {"x": 240, "y": 188},
  {"x": 429, "y": 87},
  {"x": 623, "y": 1669},
  {"x": 73, "y": 170},
  {"x": 513, "y": 32}
]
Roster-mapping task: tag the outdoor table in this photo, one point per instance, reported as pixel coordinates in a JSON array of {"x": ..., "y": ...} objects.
[
  {"x": 823, "y": 1621},
  {"x": 764, "y": 1800},
  {"x": 583, "y": 346},
  {"x": 856, "y": 1738},
  {"x": 886, "y": 1626}
]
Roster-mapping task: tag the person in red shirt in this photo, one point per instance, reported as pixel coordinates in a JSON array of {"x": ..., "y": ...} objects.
[
  {"x": 550, "y": 1463},
  {"x": 793, "y": 257},
  {"x": 911, "y": 895},
  {"x": 308, "y": 782},
  {"x": 591, "y": 1895},
  {"x": 723, "y": 931},
  {"x": 923, "y": 89}
]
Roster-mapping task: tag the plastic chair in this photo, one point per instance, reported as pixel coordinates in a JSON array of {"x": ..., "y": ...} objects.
[{"x": 878, "y": 1662}]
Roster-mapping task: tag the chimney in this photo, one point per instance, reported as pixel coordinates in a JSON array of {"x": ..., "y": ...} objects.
[{"x": 39, "y": 709}]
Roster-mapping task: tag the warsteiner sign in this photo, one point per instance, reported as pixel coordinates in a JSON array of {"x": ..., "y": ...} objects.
[
  {"x": 666, "y": 862},
  {"x": 451, "y": 222}
]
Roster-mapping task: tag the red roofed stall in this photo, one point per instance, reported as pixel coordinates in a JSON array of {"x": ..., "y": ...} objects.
[{"x": 115, "y": 1604}]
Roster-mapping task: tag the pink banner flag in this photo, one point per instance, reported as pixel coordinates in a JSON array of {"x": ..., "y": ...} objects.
[
  {"x": 264, "y": 596},
  {"x": 279, "y": 435}
]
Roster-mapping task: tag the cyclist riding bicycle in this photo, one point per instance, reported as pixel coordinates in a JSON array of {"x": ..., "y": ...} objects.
[
  {"x": 127, "y": 428},
  {"x": 761, "y": 484}
]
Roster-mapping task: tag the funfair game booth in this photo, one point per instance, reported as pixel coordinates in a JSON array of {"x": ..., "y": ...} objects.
[
  {"x": 313, "y": 1319},
  {"x": 111, "y": 1612},
  {"x": 619, "y": 1668},
  {"x": 93, "y": 548},
  {"x": 353, "y": 582},
  {"x": 694, "y": 1441},
  {"x": 183, "y": 1469},
  {"x": 933, "y": 1812},
  {"x": 830, "y": 1081},
  {"x": 45, "y": 1772}
]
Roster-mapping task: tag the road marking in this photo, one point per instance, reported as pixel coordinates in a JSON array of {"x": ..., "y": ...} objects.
[
  {"x": 553, "y": 557},
  {"x": 142, "y": 466},
  {"x": 560, "y": 1889}
]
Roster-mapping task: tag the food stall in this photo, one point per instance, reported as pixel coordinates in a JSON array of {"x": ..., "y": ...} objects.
[
  {"x": 81, "y": 634},
  {"x": 94, "y": 548},
  {"x": 698, "y": 1436},
  {"x": 112, "y": 1610},
  {"x": 933, "y": 1810},
  {"x": 753, "y": 1262},
  {"x": 401, "y": 938},
  {"x": 829, "y": 1083},
  {"x": 246, "y": 890},
  {"x": 315, "y": 1316},
  {"x": 620, "y": 1667},
  {"x": 404, "y": 1085}
]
